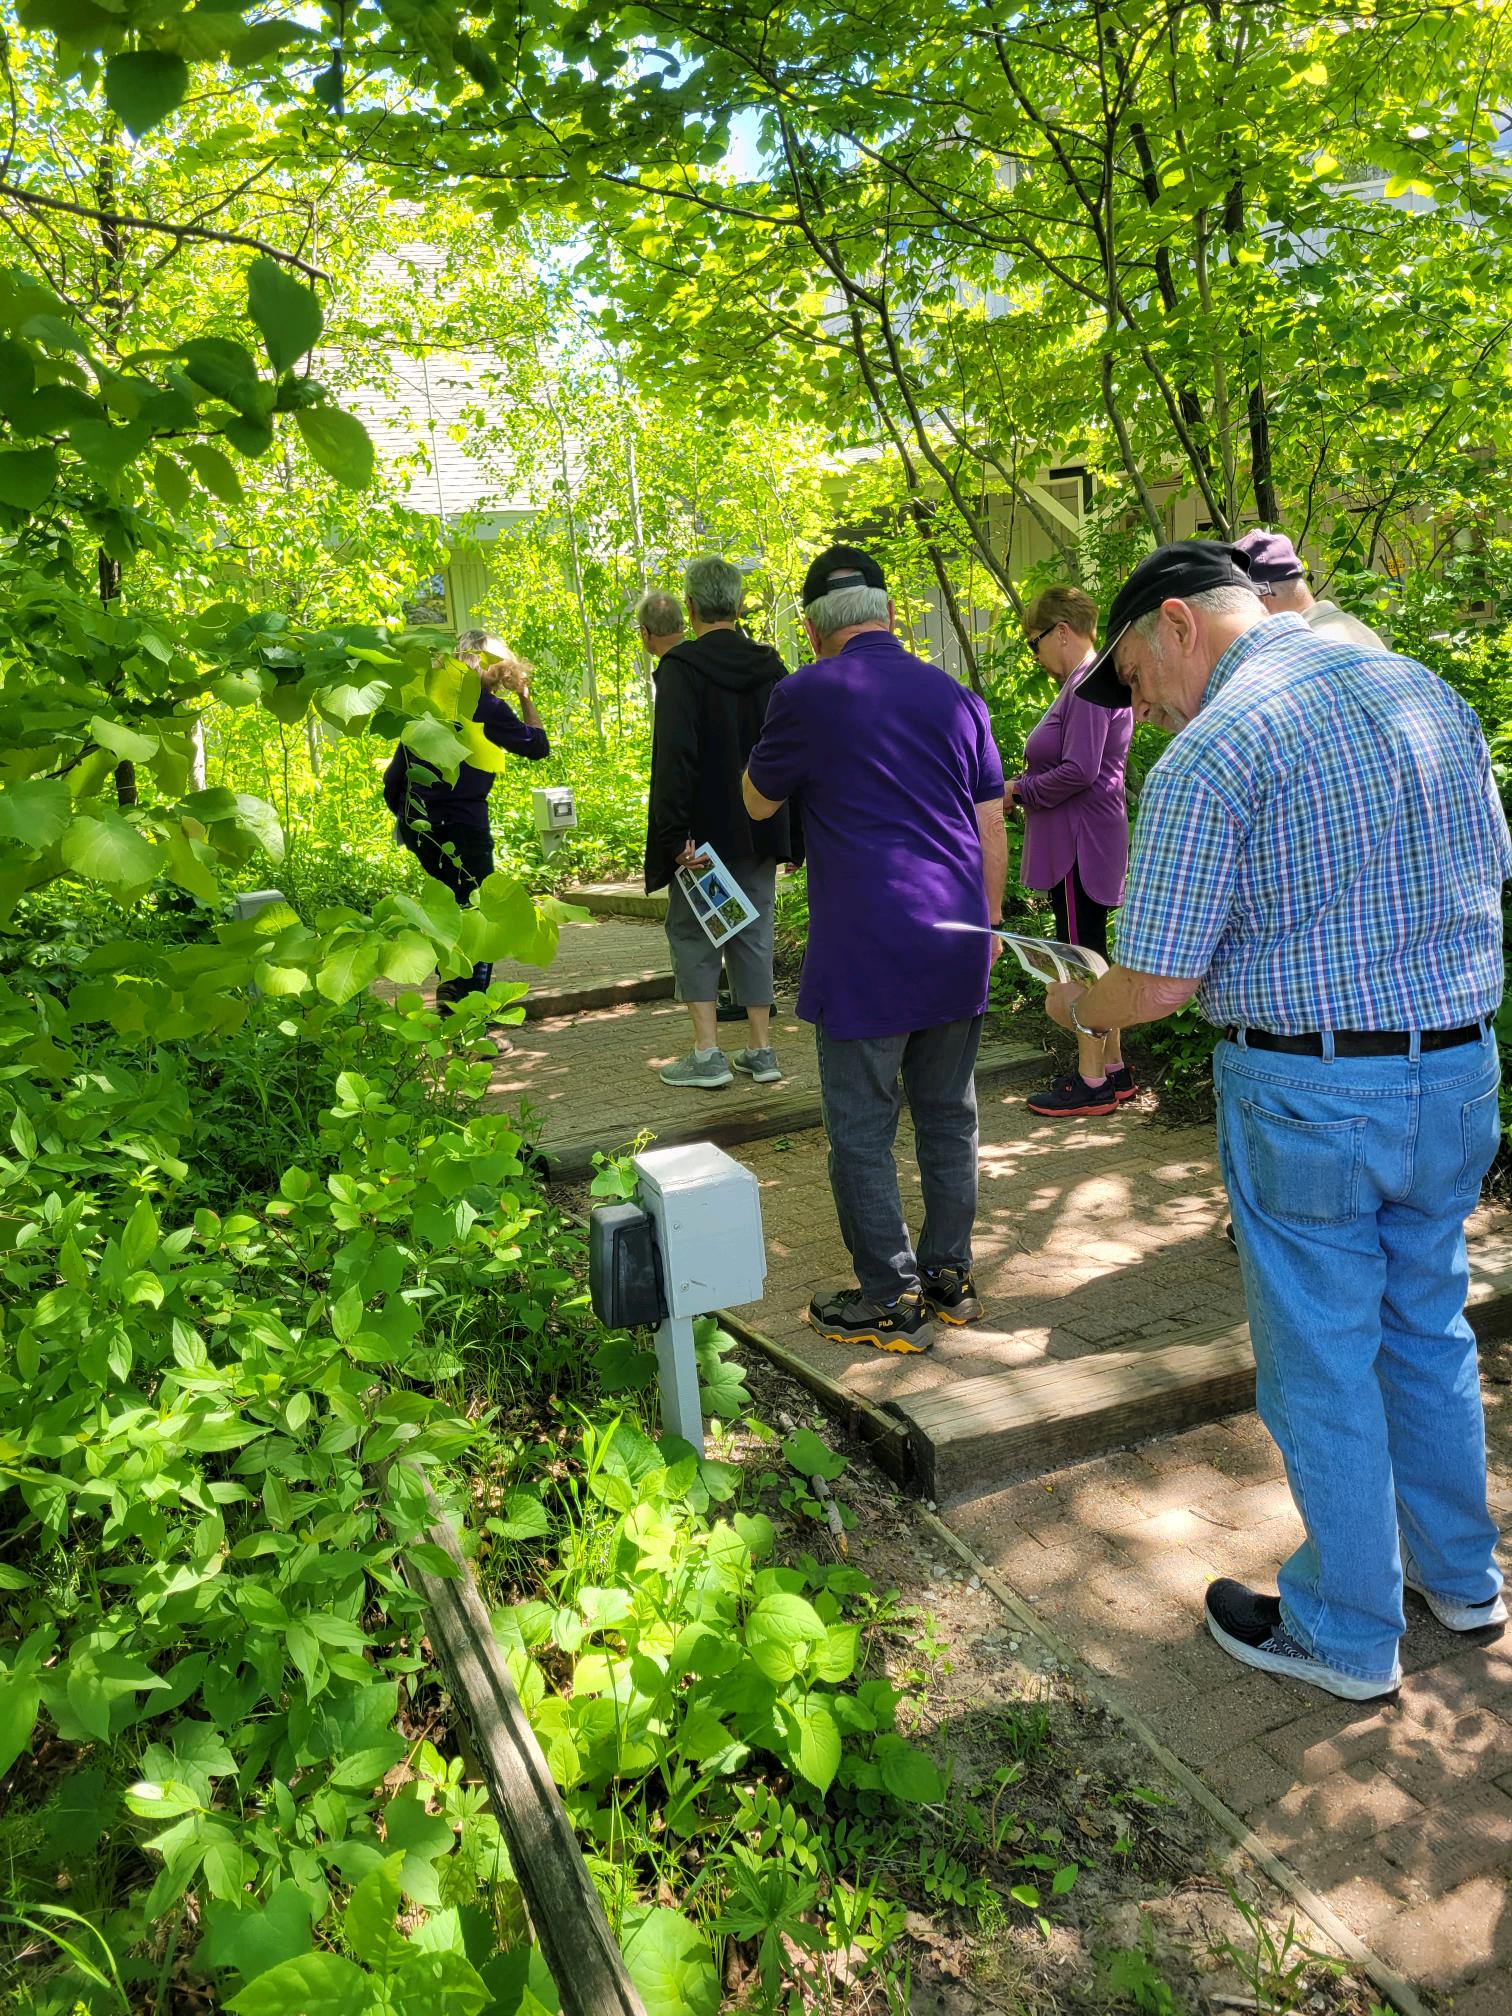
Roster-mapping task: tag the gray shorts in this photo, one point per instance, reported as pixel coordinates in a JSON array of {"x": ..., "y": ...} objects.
[{"x": 747, "y": 957}]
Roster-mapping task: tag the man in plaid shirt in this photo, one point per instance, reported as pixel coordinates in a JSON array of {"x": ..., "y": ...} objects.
[{"x": 1319, "y": 861}]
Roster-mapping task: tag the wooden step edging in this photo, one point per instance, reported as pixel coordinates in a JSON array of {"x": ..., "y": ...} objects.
[
  {"x": 1398, "y": 1992},
  {"x": 759, "y": 1118},
  {"x": 598, "y": 994},
  {"x": 617, "y": 899},
  {"x": 976, "y": 1435},
  {"x": 566, "y": 1912}
]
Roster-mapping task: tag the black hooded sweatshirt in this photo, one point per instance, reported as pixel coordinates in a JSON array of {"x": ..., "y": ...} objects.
[{"x": 711, "y": 702}]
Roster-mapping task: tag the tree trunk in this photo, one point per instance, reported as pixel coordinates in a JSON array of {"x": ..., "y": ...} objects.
[{"x": 1262, "y": 474}]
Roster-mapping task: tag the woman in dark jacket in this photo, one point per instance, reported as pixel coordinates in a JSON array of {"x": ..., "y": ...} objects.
[
  {"x": 711, "y": 700},
  {"x": 445, "y": 826}
]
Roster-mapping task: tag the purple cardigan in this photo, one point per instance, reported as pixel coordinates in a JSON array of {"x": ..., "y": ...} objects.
[{"x": 1073, "y": 792}]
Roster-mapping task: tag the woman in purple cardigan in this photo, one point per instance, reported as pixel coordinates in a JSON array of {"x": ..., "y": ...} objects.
[{"x": 1076, "y": 838}]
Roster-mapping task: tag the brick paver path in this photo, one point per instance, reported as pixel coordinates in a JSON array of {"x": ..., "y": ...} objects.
[
  {"x": 588, "y": 954},
  {"x": 1105, "y": 1231},
  {"x": 598, "y": 1071},
  {"x": 1089, "y": 1235}
]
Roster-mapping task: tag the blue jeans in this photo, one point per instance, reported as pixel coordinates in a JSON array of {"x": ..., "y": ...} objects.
[
  {"x": 1350, "y": 1180},
  {"x": 862, "y": 1099}
]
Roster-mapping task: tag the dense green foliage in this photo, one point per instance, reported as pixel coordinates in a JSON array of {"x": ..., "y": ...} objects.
[{"x": 716, "y": 278}]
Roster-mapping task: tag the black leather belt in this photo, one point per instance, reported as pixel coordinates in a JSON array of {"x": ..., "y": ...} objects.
[{"x": 1358, "y": 1042}]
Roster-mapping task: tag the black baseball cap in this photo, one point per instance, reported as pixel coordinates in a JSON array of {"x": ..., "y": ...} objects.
[
  {"x": 1190, "y": 567},
  {"x": 841, "y": 567}
]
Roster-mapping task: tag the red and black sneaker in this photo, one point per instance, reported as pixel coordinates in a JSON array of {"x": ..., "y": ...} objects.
[
  {"x": 1072, "y": 1098},
  {"x": 849, "y": 1318},
  {"x": 1121, "y": 1078}
]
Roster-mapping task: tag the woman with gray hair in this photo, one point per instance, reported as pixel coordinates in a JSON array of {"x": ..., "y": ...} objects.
[
  {"x": 445, "y": 826},
  {"x": 711, "y": 700}
]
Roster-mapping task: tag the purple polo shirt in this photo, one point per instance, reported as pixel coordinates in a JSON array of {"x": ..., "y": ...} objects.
[{"x": 887, "y": 758}]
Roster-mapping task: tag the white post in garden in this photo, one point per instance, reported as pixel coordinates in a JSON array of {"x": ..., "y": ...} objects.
[{"x": 705, "y": 1208}]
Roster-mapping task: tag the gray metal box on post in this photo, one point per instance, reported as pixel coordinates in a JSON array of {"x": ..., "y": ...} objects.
[
  {"x": 706, "y": 1210},
  {"x": 554, "y": 810}
]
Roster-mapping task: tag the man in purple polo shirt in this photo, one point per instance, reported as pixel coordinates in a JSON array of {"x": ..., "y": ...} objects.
[{"x": 901, "y": 790}]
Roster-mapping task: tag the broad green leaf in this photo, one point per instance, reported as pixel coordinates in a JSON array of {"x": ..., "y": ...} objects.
[
  {"x": 213, "y": 470},
  {"x": 26, "y": 476},
  {"x": 781, "y": 1634},
  {"x": 171, "y": 482},
  {"x": 369, "y": 1923},
  {"x": 810, "y": 1457},
  {"x": 120, "y": 740},
  {"x": 435, "y": 744},
  {"x": 669, "y": 1962},
  {"x": 906, "y": 1772},
  {"x": 339, "y": 443},
  {"x": 285, "y": 310},
  {"x": 350, "y": 967},
  {"x": 142, "y": 86},
  {"x": 110, "y": 850},
  {"x": 408, "y": 959},
  {"x": 815, "y": 1748},
  {"x": 37, "y": 810},
  {"x": 524, "y": 1518},
  {"x": 20, "y": 1697},
  {"x": 835, "y": 1659},
  {"x": 314, "y": 1984},
  {"x": 431, "y": 1982},
  {"x": 256, "y": 817},
  {"x": 249, "y": 1941},
  {"x": 227, "y": 371}
]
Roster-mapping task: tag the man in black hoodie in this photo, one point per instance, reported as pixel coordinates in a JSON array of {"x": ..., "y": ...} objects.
[{"x": 711, "y": 701}]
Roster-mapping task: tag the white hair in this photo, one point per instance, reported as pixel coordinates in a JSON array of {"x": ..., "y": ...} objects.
[
  {"x": 659, "y": 614},
  {"x": 846, "y": 609},
  {"x": 1232, "y": 600}
]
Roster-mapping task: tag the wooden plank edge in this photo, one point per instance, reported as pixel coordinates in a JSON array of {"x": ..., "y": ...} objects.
[
  {"x": 606, "y": 994},
  {"x": 886, "y": 1439},
  {"x": 573, "y": 1157},
  {"x": 566, "y": 1910},
  {"x": 1398, "y": 1991}
]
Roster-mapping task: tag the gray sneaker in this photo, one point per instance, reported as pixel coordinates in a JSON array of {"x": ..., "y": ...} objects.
[
  {"x": 761, "y": 1065},
  {"x": 704, "y": 1074}
]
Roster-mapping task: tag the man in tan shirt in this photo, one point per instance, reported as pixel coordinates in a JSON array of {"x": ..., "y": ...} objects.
[{"x": 1279, "y": 578}]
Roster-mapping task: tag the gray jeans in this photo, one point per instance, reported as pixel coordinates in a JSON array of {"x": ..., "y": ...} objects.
[{"x": 859, "y": 1085}]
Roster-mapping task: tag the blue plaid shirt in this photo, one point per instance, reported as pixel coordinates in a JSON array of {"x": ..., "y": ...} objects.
[{"x": 1323, "y": 844}]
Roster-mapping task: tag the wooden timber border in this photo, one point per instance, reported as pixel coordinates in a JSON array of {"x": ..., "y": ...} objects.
[{"x": 565, "y": 1910}]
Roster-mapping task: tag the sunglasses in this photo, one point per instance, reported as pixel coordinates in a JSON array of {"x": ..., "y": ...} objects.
[{"x": 1040, "y": 636}]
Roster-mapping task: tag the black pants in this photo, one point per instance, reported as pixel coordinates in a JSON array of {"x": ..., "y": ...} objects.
[
  {"x": 460, "y": 857},
  {"x": 1078, "y": 920}
]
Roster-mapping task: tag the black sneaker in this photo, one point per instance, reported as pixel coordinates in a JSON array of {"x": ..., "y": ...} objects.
[
  {"x": 1228, "y": 1233},
  {"x": 1249, "y": 1628},
  {"x": 849, "y": 1318},
  {"x": 949, "y": 1294},
  {"x": 1072, "y": 1098},
  {"x": 1121, "y": 1078}
]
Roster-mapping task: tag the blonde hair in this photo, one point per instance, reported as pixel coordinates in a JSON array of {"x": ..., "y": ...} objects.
[
  {"x": 1066, "y": 604},
  {"x": 491, "y": 650}
]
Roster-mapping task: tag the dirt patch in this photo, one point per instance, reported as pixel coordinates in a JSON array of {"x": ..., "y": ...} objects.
[{"x": 1043, "y": 1781}]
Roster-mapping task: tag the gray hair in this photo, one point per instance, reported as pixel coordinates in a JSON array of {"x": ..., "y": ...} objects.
[
  {"x": 659, "y": 614},
  {"x": 1230, "y": 601},
  {"x": 714, "y": 588},
  {"x": 845, "y": 609}
]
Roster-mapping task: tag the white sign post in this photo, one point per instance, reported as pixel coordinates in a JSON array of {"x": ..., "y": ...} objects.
[{"x": 706, "y": 1211}]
